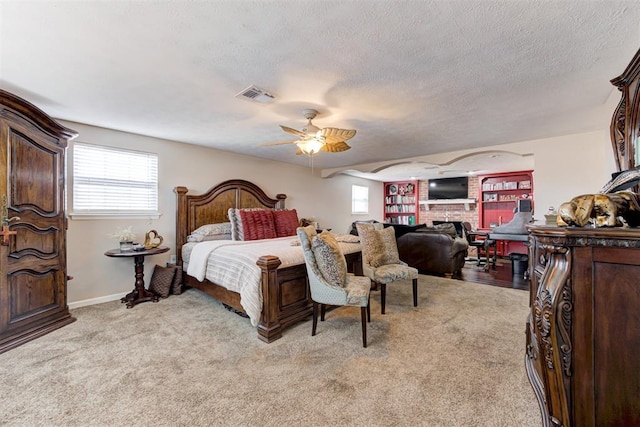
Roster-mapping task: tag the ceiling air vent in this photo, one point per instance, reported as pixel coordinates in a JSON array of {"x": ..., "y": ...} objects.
[{"x": 256, "y": 94}]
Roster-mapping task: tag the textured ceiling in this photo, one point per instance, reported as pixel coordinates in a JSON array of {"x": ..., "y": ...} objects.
[{"x": 412, "y": 77}]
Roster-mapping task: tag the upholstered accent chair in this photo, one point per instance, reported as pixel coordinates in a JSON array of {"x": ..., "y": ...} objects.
[
  {"x": 329, "y": 282},
  {"x": 381, "y": 262}
]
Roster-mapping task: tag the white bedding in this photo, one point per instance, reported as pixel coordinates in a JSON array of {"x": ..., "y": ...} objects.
[{"x": 232, "y": 264}]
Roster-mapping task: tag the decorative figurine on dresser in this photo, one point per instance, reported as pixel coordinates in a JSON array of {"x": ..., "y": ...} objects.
[
  {"x": 583, "y": 331},
  {"x": 33, "y": 257}
]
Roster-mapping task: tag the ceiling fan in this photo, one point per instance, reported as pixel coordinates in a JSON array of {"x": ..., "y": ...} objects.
[{"x": 312, "y": 139}]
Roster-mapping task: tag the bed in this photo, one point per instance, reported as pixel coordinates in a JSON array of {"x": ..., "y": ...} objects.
[{"x": 283, "y": 286}]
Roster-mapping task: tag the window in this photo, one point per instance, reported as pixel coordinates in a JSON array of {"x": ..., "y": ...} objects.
[
  {"x": 113, "y": 182},
  {"x": 359, "y": 199}
]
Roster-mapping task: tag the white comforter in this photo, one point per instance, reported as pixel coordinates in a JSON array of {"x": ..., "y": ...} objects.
[{"x": 232, "y": 264}]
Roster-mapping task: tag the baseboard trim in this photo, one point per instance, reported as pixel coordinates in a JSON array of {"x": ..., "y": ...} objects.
[{"x": 99, "y": 300}]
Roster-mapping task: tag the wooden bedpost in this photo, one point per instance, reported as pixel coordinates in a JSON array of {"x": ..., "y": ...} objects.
[
  {"x": 181, "y": 212},
  {"x": 269, "y": 328}
]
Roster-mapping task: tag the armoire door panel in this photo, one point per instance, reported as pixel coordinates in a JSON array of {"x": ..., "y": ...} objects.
[
  {"x": 34, "y": 295},
  {"x": 32, "y": 264},
  {"x": 31, "y": 240},
  {"x": 34, "y": 176}
]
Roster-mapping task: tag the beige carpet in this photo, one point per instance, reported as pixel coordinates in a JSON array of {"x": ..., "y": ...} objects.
[{"x": 455, "y": 360}]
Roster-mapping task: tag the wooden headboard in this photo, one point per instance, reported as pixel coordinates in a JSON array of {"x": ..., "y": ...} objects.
[{"x": 193, "y": 211}]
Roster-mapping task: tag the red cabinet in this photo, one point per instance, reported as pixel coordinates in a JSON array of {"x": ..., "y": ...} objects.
[
  {"x": 499, "y": 196},
  {"x": 401, "y": 202}
]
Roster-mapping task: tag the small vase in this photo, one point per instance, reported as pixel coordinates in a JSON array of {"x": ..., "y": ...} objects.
[{"x": 126, "y": 246}]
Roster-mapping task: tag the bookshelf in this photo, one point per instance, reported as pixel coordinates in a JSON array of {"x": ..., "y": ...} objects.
[
  {"x": 499, "y": 195},
  {"x": 401, "y": 205}
]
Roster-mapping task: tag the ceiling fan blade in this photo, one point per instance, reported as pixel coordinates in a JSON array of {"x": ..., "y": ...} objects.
[
  {"x": 268, "y": 144},
  {"x": 293, "y": 131},
  {"x": 335, "y": 147},
  {"x": 335, "y": 135}
]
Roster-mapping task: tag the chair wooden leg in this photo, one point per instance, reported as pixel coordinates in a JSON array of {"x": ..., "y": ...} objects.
[
  {"x": 415, "y": 292},
  {"x": 323, "y": 310},
  {"x": 383, "y": 295},
  {"x": 363, "y": 316},
  {"x": 369, "y": 309},
  {"x": 315, "y": 319}
]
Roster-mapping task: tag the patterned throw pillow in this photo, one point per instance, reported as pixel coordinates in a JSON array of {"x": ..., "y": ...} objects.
[
  {"x": 161, "y": 280},
  {"x": 257, "y": 224},
  {"x": 176, "y": 283},
  {"x": 213, "y": 229},
  {"x": 200, "y": 238},
  {"x": 286, "y": 221},
  {"x": 234, "y": 219},
  {"x": 329, "y": 257},
  {"x": 379, "y": 246},
  {"x": 347, "y": 238},
  {"x": 237, "y": 230}
]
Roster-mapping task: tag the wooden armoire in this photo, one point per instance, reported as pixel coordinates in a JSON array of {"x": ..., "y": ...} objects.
[{"x": 33, "y": 259}]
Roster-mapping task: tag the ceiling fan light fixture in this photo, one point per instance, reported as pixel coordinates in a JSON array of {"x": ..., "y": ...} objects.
[
  {"x": 310, "y": 129},
  {"x": 311, "y": 146}
]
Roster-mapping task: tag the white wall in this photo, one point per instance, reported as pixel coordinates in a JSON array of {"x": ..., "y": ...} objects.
[
  {"x": 564, "y": 167},
  {"x": 97, "y": 276},
  {"x": 568, "y": 166}
]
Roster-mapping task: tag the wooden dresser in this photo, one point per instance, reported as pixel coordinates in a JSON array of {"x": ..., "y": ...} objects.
[
  {"x": 583, "y": 332},
  {"x": 33, "y": 257}
]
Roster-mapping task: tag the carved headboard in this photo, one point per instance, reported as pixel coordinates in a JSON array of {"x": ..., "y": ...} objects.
[
  {"x": 193, "y": 211},
  {"x": 625, "y": 125}
]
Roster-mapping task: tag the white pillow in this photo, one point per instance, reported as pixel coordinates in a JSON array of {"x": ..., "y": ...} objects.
[
  {"x": 201, "y": 238},
  {"x": 213, "y": 229}
]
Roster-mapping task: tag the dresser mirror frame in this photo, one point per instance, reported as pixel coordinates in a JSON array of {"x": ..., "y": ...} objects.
[{"x": 625, "y": 124}]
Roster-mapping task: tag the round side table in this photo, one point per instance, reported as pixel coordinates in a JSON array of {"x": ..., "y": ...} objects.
[{"x": 139, "y": 293}]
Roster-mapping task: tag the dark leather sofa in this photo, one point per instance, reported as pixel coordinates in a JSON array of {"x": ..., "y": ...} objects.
[{"x": 432, "y": 250}]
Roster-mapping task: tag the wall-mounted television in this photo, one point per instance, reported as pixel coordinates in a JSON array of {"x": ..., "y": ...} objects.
[{"x": 449, "y": 188}]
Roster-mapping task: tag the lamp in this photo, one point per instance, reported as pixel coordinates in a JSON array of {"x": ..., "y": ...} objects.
[{"x": 311, "y": 144}]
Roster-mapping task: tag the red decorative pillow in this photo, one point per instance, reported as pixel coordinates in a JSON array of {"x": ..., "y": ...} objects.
[
  {"x": 286, "y": 222},
  {"x": 257, "y": 224}
]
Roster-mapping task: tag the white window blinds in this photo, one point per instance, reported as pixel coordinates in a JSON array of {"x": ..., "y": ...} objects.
[
  {"x": 359, "y": 199},
  {"x": 114, "y": 181}
]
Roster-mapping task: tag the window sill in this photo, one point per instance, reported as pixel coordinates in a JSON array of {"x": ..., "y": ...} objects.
[{"x": 114, "y": 215}]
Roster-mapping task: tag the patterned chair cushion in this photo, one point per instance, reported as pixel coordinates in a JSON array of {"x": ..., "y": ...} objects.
[
  {"x": 358, "y": 288},
  {"x": 330, "y": 259},
  {"x": 161, "y": 280},
  {"x": 392, "y": 272},
  {"x": 378, "y": 246}
]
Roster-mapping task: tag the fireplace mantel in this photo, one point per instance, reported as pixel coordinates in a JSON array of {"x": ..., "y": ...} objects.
[{"x": 466, "y": 202}]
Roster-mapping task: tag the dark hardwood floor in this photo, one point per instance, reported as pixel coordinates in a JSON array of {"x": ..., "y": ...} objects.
[{"x": 501, "y": 276}]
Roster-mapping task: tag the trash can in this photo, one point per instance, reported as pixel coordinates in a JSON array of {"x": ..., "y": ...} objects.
[{"x": 519, "y": 264}]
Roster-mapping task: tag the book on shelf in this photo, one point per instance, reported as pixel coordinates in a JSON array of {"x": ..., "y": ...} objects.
[{"x": 524, "y": 185}]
